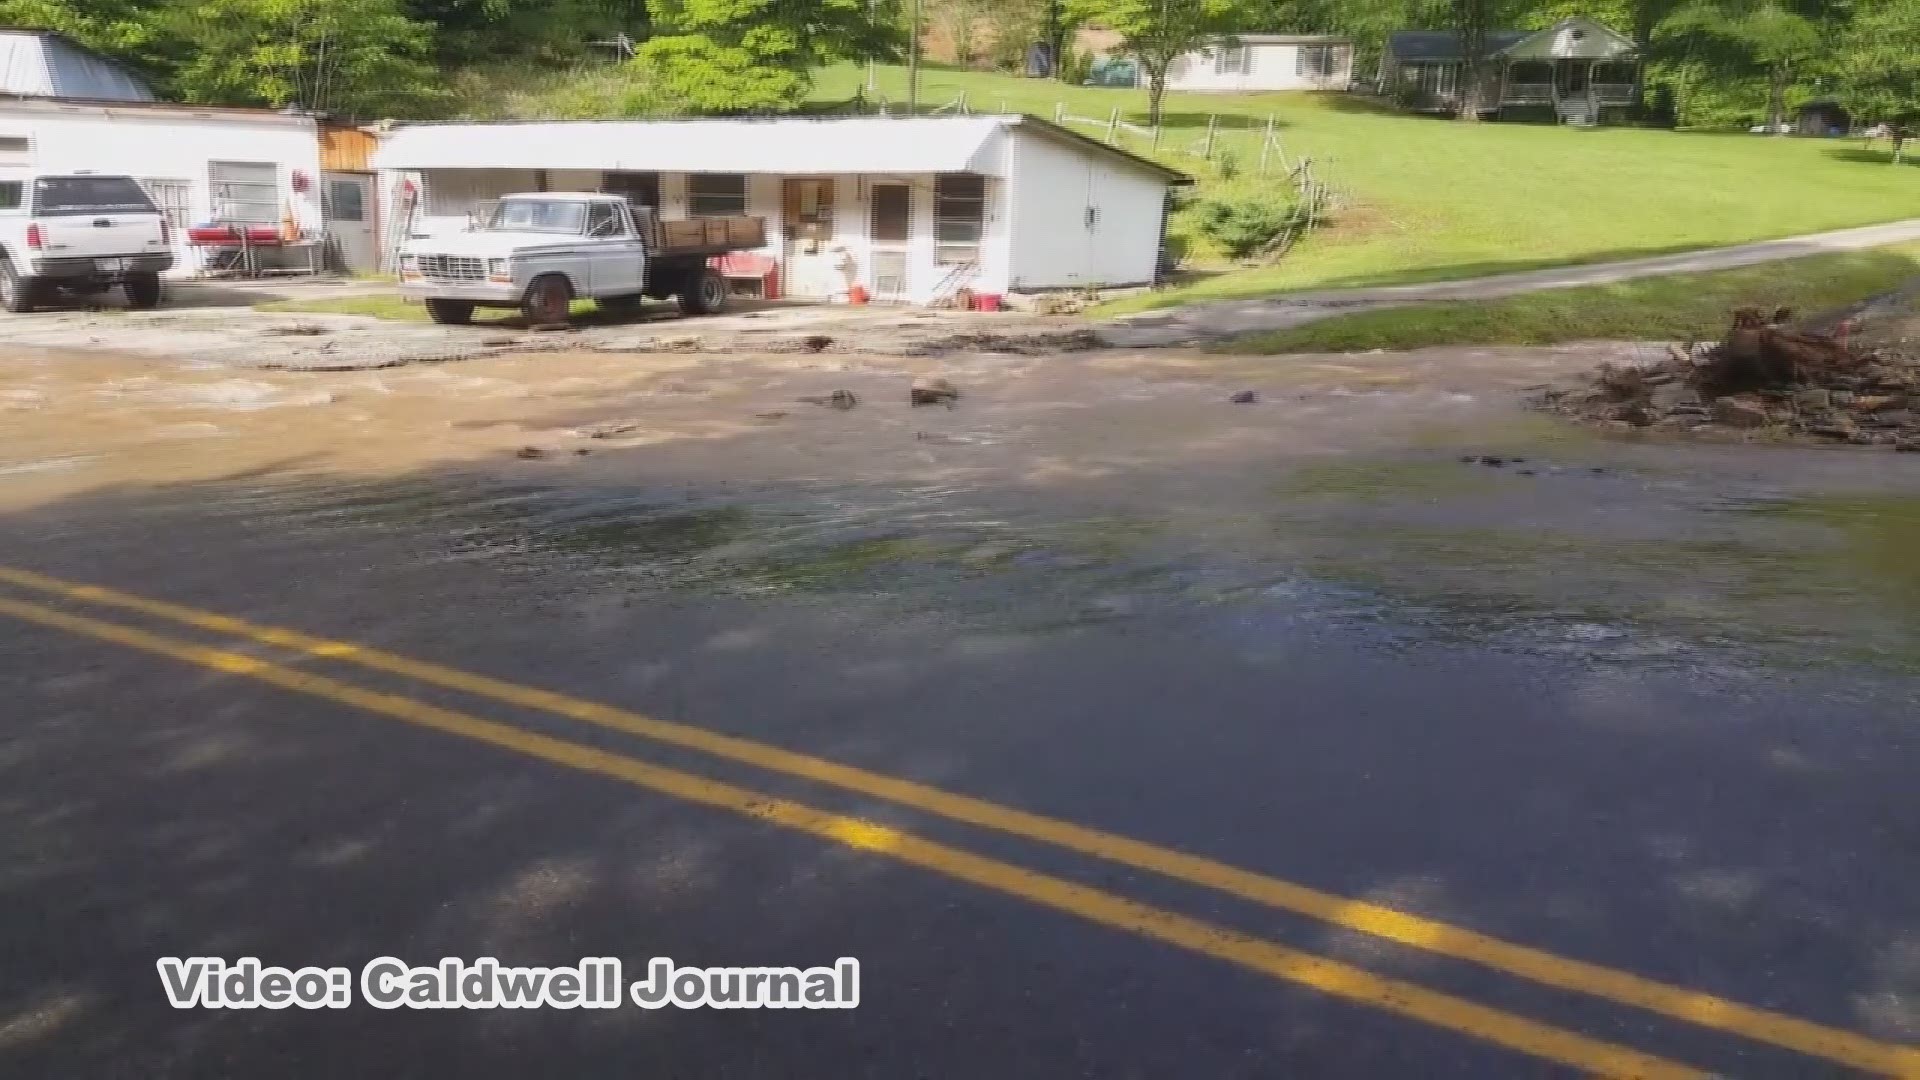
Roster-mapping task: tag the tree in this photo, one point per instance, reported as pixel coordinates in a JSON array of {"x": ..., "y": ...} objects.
[
  {"x": 1471, "y": 21},
  {"x": 1877, "y": 68},
  {"x": 357, "y": 56},
  {"x": 741, "y": 56},
  {"x": 1734, "y": 37},
  {"x": 1156, "y": 32}
]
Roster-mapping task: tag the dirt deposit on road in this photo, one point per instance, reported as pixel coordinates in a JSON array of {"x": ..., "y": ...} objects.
[{"x": 1388, "y": 490}]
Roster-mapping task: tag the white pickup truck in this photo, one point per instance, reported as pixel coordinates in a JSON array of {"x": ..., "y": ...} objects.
[
  {"x": 541, "y": 251},
  {"x": 80, "y": 234}
]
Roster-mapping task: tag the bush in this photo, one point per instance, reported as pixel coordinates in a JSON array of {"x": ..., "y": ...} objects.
[
  {"x": 1076, "y": 66},
  {"x": 1241, "y": 226}
]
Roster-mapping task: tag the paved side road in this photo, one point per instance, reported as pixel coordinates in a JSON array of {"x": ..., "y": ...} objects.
[{"x": 1196, "y": 323}]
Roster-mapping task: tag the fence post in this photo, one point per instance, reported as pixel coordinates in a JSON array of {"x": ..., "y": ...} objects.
[
  {"x": 1266, "y": 144},
  {"x": 1059, "y": 112},
  {"x": 1113, "y": 125},
  {"x": 1213, "y": 122}
]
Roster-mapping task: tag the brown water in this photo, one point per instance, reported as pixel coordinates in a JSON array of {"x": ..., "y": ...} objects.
[{"x": 1062, "y": 489}]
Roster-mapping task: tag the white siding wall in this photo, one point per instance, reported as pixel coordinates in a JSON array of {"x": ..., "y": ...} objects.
[
  {"x": 452, "y": 192},
  {"x": 169, "y": 145},
  {"x": 1054, "y": 245},
  {"x": 1270, "y": 67}
]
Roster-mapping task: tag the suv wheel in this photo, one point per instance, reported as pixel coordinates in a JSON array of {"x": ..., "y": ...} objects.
[
  {"x": 143, "y": 291},
  {"x": 17, "y": 294}
]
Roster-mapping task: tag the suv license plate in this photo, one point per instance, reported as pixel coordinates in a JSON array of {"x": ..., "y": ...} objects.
[{"x": 110, "y": 266}]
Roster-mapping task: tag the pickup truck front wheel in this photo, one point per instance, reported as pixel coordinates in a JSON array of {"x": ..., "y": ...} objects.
[
  {"x": 705, "y": 293},
  {"x": 549, "y": 301},
  {"x": 450, "y": 312},
  {"x": 17, "y": 294}
]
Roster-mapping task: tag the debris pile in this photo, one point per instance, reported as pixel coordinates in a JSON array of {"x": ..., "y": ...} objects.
[{"x": 1766, "y": 379}]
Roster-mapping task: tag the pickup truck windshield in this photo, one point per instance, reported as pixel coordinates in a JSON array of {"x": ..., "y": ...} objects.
[
  {"x": 55, "y": 196},
  {"x": 539, "y": 215}
]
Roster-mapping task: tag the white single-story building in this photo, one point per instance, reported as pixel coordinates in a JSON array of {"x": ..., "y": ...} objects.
[
  {"x": 66, "y": 109},
  {"x": 1252, "y": 62},
  {"x": 911, "y": 209}
]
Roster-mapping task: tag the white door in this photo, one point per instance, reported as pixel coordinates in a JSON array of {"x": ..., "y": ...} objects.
[
  {"x": 615, "y": 250},
  {"x": 347, "y": 203},
  {"x": 815, "y": 262}
]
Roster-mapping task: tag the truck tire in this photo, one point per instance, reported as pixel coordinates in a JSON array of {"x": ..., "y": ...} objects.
[
  {"x": 705, "y": 292},
  {"x": 450, "y": 312},
  {"x": 17, "y": 294},
  {"x": 549, "y": 300},
  {"x": 143, "y": 291},
  {"x": 620, "y": 305}
]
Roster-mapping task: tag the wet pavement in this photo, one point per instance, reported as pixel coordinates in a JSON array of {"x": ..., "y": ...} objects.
[{"x": 1640, "y": 704}]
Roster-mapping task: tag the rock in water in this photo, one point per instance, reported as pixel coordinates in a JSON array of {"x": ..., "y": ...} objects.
[{"x": 933, "y": 392}]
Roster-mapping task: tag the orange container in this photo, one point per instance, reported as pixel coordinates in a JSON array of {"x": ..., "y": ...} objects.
[
  {"x": 986, "y": 301},
  {"x": 856, "y": 294}
]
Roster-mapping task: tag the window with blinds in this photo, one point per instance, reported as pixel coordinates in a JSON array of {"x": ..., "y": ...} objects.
[
  {"x": 959, "y": 217},
  {"x": 1314, "y": 61},
  {"x": 1233, "y": 60},
  {"x": 173, "y": 198},
  {"x": 716, "y": 194},
  {"x": 245, "y": 191}
]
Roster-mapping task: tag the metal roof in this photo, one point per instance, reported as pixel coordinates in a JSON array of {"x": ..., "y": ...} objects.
[
  {"x": 1445, "y": 44},
  {"x": 779, "y": 145},
  {"x": 1292, "y": 39},
  {"x": 43, "y": 63},
  {"x": 1567, "y": 38}
]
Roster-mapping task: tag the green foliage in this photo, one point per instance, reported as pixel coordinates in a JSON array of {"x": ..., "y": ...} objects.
[
  {"x": 1076, "y": 66},
  {"x": 356, "y": 56},
  {"x": 740, "y": 56},
  {"x": 1156, "y": 32},
  {"x": 528, "y": 90},
  {"x": 1240, "y": 225},
  {"x": 1878, "y": 70}
]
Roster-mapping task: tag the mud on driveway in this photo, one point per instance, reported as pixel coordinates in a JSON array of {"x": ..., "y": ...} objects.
[{"x": 1094, "y": 483}]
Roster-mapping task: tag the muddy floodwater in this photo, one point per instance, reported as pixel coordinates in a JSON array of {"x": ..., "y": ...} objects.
[{"x": 1380, "y": 495}]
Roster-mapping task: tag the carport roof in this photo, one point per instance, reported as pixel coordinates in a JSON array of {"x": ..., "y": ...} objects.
[{"x": 791, "y": 146}]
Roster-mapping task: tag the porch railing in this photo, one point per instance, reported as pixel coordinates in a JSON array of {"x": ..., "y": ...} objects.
[
  {"x": 1527, "y": 94},
  {"x": 1613, "y": 93}
]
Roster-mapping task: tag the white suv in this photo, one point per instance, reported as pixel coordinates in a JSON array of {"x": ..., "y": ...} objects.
[{"x": 81, "y": 234}]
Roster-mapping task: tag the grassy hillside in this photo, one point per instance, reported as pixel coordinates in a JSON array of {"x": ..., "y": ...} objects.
[
  {"x": 1435, "y": 199},
  {"x": 1674, "y": 307}
]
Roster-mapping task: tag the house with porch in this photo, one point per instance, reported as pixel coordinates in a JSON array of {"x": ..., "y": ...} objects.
[
  {"x": 1576, "y": 70},
  {"x": 912, "y": 209}
]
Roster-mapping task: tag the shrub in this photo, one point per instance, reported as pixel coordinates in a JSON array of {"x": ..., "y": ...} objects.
[{"x": 1241, "y": 226}]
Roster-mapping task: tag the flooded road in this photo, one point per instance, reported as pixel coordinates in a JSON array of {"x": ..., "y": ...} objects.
[{"x": 1381, "y": 631}]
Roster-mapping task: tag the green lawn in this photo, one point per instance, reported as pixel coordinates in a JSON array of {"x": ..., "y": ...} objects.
[
  {"x": 1434, "y": 199},
  {"x": 1677, "y": 307}
]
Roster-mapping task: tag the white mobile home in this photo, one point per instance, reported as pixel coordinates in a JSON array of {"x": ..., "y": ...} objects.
[
  {"x": 1255, "y": 62},
  {"x": 909, "y": 209},
  {"x": 64, "y": 108}
]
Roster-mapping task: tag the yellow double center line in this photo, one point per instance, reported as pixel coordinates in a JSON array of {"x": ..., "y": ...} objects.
[{"x": 1329, "y": 976}]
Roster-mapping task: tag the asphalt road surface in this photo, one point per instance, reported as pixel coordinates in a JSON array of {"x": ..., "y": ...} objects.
[{"x": 1080, "y": 802}]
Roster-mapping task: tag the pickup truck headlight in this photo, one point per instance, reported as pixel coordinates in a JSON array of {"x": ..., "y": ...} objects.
[
  {"x": 500, "y": 270},
  {"x": 409, "y": 266}
]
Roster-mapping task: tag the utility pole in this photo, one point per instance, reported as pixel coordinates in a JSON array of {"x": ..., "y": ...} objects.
[{"x": 913, "y": 60}]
